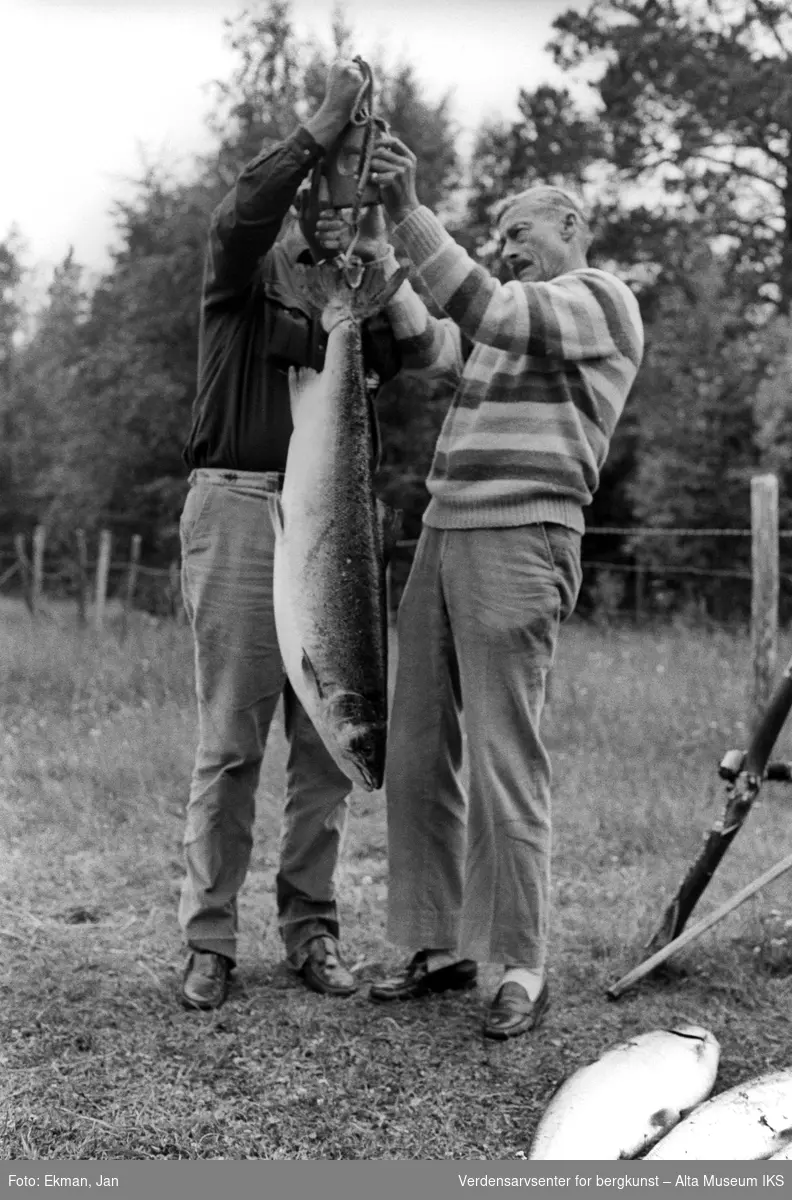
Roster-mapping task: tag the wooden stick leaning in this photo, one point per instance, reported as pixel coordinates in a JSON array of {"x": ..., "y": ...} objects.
[{"x": 645, "y": 968}]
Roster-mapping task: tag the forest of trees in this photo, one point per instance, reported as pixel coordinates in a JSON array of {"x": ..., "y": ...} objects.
[{"x": 683, "y": 149}]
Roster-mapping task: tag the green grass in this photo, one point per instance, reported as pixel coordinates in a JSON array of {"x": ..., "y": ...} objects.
[{"x": 99, "y": 1060}]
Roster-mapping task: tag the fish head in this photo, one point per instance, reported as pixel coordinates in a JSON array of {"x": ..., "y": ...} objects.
[
  {"x": 359, "y": 735},
  {"x": 704, "y": 1043}
]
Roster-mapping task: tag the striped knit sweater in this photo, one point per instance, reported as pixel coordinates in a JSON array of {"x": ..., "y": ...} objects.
[{"x": 538, "y": 399}]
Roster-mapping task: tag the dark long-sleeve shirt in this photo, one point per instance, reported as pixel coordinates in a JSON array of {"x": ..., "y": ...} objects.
[{"x": 253, "y": 328}]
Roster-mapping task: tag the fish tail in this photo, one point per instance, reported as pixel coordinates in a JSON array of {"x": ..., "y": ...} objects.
[
  {"x": 358, "y": 292},
  {"x": 374, "y": 292}
]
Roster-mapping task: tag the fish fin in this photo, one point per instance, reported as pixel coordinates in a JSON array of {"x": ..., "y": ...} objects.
[
  {"x": 661, "y": 1123},
  {"x": 376, "y": 436},
  {"x": 665, "y": 1119},
  {"x": 374, "y": 292},
  {"x": 299, "y": 379},
  {"x": 310, "y": 676}
]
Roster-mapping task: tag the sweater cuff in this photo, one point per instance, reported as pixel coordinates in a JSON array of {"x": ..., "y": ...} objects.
[
  {"x": 406, "y": 312},
  {"x": 421, "y": 234}
]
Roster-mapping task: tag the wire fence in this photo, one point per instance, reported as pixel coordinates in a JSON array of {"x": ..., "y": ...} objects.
[
  {"x": 639, "y": 571},
  {"x": 640, "y": 574},
  {"x": 92, "y": 581},
  {"x": 645, "y": 571}
]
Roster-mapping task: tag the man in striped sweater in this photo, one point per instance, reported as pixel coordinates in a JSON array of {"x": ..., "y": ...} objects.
[{"x": 497, "y": 569}]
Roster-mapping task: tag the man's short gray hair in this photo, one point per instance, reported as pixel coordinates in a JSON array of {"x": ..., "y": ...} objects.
[{"x": 545, "y": 198}]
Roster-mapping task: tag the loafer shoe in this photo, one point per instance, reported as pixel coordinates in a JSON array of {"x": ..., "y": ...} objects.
[
  {"x": 206, "y": 980},
  {"x": 417, "y": 980},
  {"x": 324, "y": 970},
  {"x": 512, "y": 1012}
]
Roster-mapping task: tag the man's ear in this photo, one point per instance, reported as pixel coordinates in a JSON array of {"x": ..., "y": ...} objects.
[{"x": 569, "y": 226}]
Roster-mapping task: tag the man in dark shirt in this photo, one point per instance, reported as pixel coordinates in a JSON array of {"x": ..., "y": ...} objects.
[{"x": 253, "y": 327}]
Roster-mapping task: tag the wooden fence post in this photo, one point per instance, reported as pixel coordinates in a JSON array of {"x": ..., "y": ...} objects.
[
  {"x": 24, "y": 570},
  {"x": 37, "y": 586},
  {"x": 82, "y": 578},
  {"x": 102, "y": 572},
  {"x": 764, "y": 589},
  {"x": 131, "y": 583}
]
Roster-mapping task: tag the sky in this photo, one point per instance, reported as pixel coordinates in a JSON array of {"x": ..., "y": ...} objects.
[{"x": 92, "y": 89}]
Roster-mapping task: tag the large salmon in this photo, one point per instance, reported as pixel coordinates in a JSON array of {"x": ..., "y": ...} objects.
[
  {"x": 632, "y": 1095},
  {"x": 750, "y": 1121},
  {"x": 329, "y": 575}
]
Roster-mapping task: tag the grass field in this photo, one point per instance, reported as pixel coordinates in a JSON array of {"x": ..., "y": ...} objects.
[{"x": 98, "y": 1060}]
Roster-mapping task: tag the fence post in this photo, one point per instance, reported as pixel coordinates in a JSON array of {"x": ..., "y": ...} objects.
[
  {"x": 764, "y": 589},
  {"x": 102, "y": 572},
  {"x": 24, "y": 570},
  {"x": 82, "y": 577},
  {"x": 37, "y": 586},
  {"x": 131, "y": 583}
]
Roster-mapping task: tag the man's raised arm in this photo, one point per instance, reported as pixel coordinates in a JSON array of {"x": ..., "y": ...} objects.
[{"x": 246, "y": 223}]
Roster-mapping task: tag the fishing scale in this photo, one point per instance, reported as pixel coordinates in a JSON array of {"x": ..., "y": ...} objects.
[{"x": 341, "y": 181}]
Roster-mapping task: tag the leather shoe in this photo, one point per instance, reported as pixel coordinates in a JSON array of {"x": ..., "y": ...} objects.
[
  {"x": 206, "y": 979},
  {"x": 512, "y": 1012},
  {"x": 417, "y": 980},
  {"x": 324, "y": 971}
]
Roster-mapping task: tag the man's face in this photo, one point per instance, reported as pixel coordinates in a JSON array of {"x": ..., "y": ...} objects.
[{"x": 532, "y": 245}]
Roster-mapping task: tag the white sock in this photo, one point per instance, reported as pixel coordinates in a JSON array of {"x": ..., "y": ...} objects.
[
  {"x": 527, "y": 978},
  {"x": 437, "y": 959}
]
